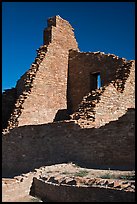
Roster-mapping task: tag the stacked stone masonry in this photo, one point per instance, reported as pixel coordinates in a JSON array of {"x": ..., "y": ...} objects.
[
  {"x": 57, "y": 114},
  {"x": 110, "y": 146},
  {"x": 28, "y": 184},
  {"x": 59, "y": 82},
  {"x": 107, "y": 103},
  {"x": 42, "y": 90},
  {"x": 53, "y": 192},
  {"x": 8, "y": 101}
]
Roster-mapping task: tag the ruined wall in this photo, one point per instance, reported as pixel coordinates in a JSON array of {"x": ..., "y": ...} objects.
[
  {"x": 56, "y": 83},
  {"x": 42, "y": 90},
  {"x": 8, "y": 101},
  {"x": 34, "y": 183},
  {"x": 110, "y": 146},
  {"x": 113, "y": 104},
  {"x": 82, "y": 65},
  {"x": 109, "y": 102},
  {"x": 66, "y": 193},
  {"x": 48, "y": 93}
]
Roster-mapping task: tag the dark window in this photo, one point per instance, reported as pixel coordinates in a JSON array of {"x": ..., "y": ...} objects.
[{"x": 95, "y": 81}]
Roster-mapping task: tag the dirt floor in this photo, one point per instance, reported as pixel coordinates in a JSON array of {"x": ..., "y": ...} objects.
[{"x": 28, "y": 198}]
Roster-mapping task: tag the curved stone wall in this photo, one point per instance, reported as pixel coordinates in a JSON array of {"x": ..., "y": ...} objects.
[
  {"x": 48, "y": 182},
  {"x": 48, "y": 191}
]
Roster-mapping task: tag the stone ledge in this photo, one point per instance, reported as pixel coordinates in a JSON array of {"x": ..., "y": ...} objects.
[{"x": 71, "y": 193}]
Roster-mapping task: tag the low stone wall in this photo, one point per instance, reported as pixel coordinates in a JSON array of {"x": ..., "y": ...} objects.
[
  {"x": 23, "y": 187},
  {"x": 66, "y": 193},
  {"x": 110, "y": 146}
]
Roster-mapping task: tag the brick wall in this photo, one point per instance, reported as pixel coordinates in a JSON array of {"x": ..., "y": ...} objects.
[{"x": 110, "y": 146}]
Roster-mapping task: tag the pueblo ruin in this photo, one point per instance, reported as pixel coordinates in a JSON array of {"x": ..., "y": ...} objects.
[{"x": 69, "y": 107}]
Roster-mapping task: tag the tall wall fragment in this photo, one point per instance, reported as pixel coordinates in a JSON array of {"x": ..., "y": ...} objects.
[{"x": 42, "y": 90}]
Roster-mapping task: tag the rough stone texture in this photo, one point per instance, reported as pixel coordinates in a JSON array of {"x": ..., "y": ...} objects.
[
  {"x": 48, "y": 94},
  {"x": 110, "y": 146},
  {"x": 116, "y": 184},
  {"x": 23, "y": 89},
  {"x": 114, "y": 71},
  {"x": 107, "y": 103},
  {"x": 113, "y": 104},
  {"x": 8, "y": 101},
  {"x": 66, "y": 193},
  {"x": 20, "y": 187},
  {"x": 96, "y": 127},
  {"x": 59, "y": 83},
  {"x": 42, "y": 90}
]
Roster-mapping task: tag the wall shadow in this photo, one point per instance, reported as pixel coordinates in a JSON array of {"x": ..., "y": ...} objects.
[
  {"x": 111, "y": 146},
  {"x": 61, "y": 115},
  {"x": 9, "y": 97}
]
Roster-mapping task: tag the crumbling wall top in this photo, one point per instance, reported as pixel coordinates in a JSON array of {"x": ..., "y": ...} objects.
[
  {"x": 58, "y": 21},
  {"x": 57, "y": 28}
]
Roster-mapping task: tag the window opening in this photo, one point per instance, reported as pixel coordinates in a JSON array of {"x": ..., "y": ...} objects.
[
  {"x": 98, "y": 81},
  {"x": 95, "y": 81}
]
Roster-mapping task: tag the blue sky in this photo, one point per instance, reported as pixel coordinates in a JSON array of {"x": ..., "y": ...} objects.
[{"x": 99, "y": 26}]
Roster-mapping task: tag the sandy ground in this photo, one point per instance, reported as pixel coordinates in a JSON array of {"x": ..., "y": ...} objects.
[
  {"x": 28, "y": 198},
  {"x": 71, "y": 170}
]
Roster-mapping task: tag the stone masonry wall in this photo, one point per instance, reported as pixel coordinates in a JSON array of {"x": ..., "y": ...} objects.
[
  {"x": 100, "y": 133},
  {"x": 42, "y": 90},
  {"x": 23, "y": 185},
  {"x": 48, "y": 94},
  {"x": 110, "y": 146},
  {"x": 8, "y": 101},
  {"x": 22, "y": 90},
  {"x": 108, "y": 103},
  {"x": 67, "y": 193},
  {"x": 113, "y": 104},
  {"x": 83, "y": 65}
]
